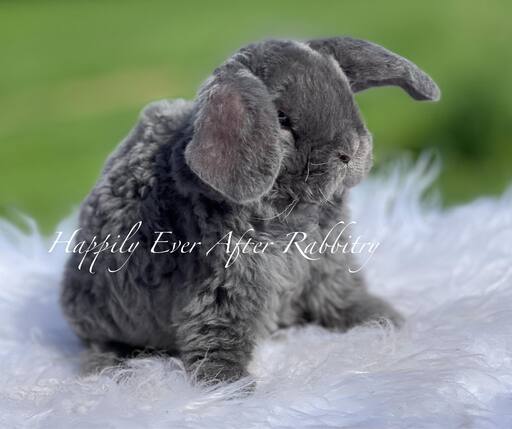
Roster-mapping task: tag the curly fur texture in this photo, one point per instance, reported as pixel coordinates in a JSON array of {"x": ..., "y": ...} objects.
[
  {"x": 272, "y": 145},
  {"x": 450, "y": 366}
]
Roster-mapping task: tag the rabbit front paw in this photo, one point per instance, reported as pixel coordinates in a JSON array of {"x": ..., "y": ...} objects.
[{"x": 211, "y": 371}]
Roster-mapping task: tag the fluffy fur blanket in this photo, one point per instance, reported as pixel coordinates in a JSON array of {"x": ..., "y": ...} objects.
[{"x": 448, "y": 271}]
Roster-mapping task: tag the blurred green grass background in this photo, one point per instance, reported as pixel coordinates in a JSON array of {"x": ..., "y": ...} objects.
[{"x": 75, "y": 74}]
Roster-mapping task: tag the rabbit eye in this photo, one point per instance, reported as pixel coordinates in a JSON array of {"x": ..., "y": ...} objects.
[
  {"x": 345, "y": 159},
  {"x": 284, "y": 120}
]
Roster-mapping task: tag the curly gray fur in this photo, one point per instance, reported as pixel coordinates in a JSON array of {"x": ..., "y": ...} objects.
[{"x": 271, "y": 145}]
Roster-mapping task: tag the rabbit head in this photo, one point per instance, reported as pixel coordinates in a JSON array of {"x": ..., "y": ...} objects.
[{"x": 279, "y": 119}]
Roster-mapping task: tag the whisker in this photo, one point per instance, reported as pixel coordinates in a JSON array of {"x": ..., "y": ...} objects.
[
  {"x": 321, "y": 163},
  {"x": 307, "y": 175},
  {"x": 278, "y": 214},
  {"x": 326, "y": 200},
  {"x": 293, "y": 205}
]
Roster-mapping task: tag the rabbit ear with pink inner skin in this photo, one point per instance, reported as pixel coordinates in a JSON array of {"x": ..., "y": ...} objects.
[{"x": 235, "y": 147}]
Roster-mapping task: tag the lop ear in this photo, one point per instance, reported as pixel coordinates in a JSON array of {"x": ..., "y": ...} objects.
[
  {"x": 235, "y": 147},
  {"x": 367, "y": 65}
]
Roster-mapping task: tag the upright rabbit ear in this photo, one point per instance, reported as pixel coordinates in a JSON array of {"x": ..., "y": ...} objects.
[
  {"x": 367, "y": 65},
  {"x": 235, "y": 147}
]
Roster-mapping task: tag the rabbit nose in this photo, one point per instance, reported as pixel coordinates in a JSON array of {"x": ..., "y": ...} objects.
[{"x": 344, "y": 158}]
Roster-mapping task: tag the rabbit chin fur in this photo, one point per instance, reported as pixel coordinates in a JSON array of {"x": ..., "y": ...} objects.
[{"x": 450, "y": 366}]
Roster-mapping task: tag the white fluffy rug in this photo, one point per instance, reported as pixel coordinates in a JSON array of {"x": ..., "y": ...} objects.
[{"x": 449, "y": 271}]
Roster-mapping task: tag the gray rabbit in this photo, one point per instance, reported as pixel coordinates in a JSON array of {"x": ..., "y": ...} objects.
[{"x": 271, "y": 145}]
